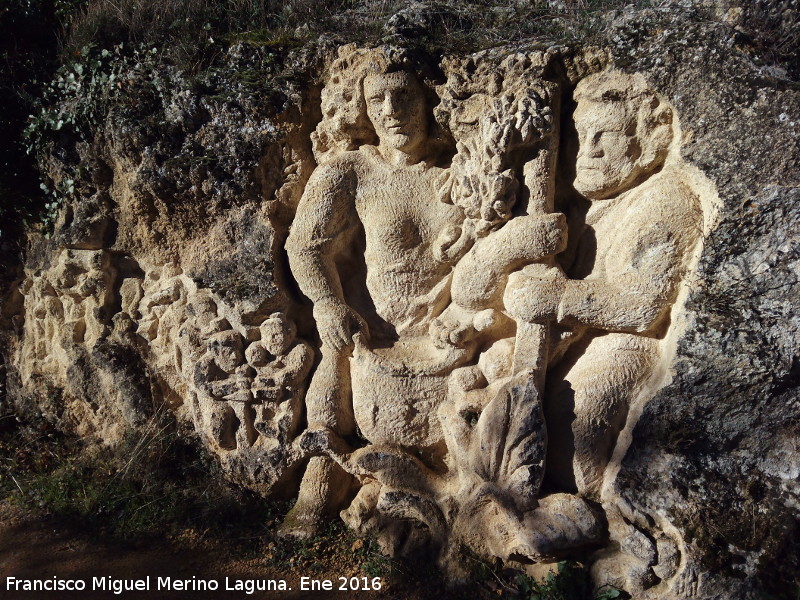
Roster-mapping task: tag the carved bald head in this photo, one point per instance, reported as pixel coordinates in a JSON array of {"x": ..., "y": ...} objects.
[
  {"x": 624, "y": 132},
  {"x": 277, "y": 334}
]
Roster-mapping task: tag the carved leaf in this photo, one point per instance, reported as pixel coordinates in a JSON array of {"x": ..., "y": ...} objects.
[{"x": 512, "y": 441}]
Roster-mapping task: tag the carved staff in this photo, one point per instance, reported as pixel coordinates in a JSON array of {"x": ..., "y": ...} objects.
[{"x": 533, "y": 339}]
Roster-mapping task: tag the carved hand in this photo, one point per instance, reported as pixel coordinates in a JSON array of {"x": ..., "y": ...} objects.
[
  {"x": 533, "y": 294},
  {"x": 453, "y": 242},
  {"x": 452, "y": 328},
  {"x": 338, "y": 323},
  {"x": 457, "y": 326}
]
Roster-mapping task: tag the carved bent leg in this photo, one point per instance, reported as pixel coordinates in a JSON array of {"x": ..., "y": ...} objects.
[
  {"x": 360, "y": 515},
  {"x": 325, "y": 484},
  {"x": 587, "y": 405},
  {"x": 324, "y": 488},
  {"x": 328, "y": 397}
]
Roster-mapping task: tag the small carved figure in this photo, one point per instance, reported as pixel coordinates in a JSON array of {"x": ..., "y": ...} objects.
[
  {"x": 85, "y": 279},
  {"x": 222, "y": 373},
  {"x": 224, "y": 376},
  {"x": 41, "y": 334},
  {"x": 281, "y": 364},
  {"x": 640, "y": 233}
]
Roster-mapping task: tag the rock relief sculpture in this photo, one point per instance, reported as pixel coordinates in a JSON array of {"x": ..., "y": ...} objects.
[
  {"x": 481, "y": 350},
  {"x": 485, "y": 321},
  {"x": 71, "y": 304}
]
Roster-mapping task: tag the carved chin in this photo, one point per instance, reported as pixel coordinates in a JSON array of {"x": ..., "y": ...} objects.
[
  {"x": 595, "y": 184},
  {"x": 599, "y": 183},
  {"x": 398, "y": 140}
]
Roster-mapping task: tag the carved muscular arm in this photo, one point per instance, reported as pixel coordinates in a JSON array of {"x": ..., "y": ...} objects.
[
  {"x": 322, "y": 231},
  {"x": 479, "y": 278},
  {"x": 641, "y": 277},
  {"x": 632, "y": 301}
]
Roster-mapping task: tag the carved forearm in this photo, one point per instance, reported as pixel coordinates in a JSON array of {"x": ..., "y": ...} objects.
[
  {"x": 480, "y": 277},
  {"x": 611, "y": 307}
]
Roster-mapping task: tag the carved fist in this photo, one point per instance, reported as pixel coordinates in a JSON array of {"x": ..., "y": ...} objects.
[
  {"x": 338, "y": 323},
  {"x": 533, "y": 294},
  {"x": 457, "y": 326},
  {"x": 454, "y": 242}
]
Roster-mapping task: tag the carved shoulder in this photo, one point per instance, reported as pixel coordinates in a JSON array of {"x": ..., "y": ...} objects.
[
  {"x": 667, "y": 214},
  {"x": 335, "y": 176},
  {"x": 326, "y": 209}
]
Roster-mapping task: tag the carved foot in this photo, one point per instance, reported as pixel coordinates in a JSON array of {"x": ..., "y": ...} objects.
[
  {"x": 561, "y": 522},
  {"x": 323, "y": 490},
  {"x": 490, "y": 526},
  {"x": 298, "y": 526}
]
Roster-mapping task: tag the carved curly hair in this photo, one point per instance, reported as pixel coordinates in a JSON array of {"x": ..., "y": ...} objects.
[{"x": 345, "y": 125}]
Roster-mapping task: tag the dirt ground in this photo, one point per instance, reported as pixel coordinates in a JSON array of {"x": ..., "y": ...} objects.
[{"x": 35, "y": 547}]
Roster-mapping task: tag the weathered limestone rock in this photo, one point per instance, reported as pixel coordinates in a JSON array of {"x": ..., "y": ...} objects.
[{"x": 529, "y": 303}]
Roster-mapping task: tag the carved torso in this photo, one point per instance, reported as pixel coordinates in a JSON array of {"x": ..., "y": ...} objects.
[
  {"x": 402, "y": 217},
  {"x": 639, "y": 244}
]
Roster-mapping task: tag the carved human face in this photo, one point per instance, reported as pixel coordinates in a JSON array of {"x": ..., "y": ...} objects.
[
  {"x": 226, "y": 348},
  {"x": 276, "y": 336},
  {"x": 396, "y": 107},
  {"x": 609, "y": 149}
]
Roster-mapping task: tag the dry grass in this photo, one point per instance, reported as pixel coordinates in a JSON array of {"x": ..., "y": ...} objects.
[
  {"x": 458, "y": 25},
  {"x": 182, "y": 21}
]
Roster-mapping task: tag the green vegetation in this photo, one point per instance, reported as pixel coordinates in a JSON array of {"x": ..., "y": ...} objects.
[
  {"x": 55, "y": 69},
  {"x": 570, "y": 581},
  {"x": 454, "y": 25},
  {"x": 69, "y": 62},
  {"x": 156, "y": 488},
  {"x": 151, "y": 484},
  {"x": 28, "y": 48},
  {"x": 76, "y": 101}
]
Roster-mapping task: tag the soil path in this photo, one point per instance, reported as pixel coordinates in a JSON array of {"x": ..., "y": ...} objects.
[{"x": 36, "y": 548}]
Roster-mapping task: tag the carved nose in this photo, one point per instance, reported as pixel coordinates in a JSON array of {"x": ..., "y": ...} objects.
[
  {"x": 590, "y": 146},
  {"x": 391, "y": 106}
]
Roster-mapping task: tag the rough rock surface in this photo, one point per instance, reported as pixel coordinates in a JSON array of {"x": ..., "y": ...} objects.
[
  {"x": 169, "y": 282},
  {"x": 714, "y": 453}
]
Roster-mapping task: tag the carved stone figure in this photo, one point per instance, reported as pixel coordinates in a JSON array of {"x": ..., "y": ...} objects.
[
  {"x": 361, "y": 250},
  {"x": 257, "y": 389},
  {"x": 398, "y": 337},
  {"x": 453, "y": 342},
  {"x": 71, "y": 304},
  {"x": 638, "y": 239},
  {"x": 281, "y": 364}
]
